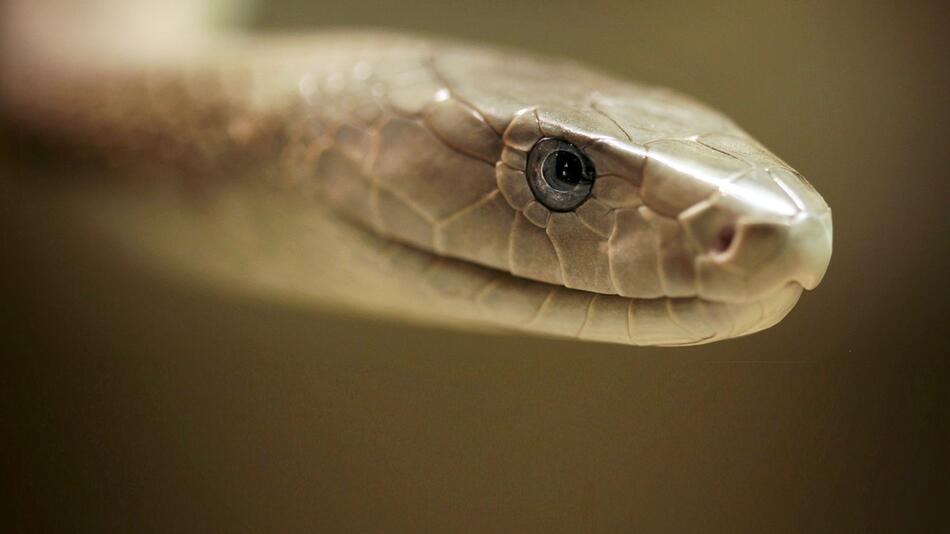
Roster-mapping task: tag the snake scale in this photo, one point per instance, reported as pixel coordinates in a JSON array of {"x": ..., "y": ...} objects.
[{"x": 441, "y": 181}]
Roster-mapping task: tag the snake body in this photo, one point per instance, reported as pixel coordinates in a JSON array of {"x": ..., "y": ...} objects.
[{"x": 391, "y": 172}]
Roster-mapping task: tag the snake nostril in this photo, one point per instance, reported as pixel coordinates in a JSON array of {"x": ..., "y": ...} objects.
[{"x": 725, "y": 238}]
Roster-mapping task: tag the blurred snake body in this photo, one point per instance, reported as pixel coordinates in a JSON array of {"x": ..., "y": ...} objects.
[{"x": 390, "y": 174}]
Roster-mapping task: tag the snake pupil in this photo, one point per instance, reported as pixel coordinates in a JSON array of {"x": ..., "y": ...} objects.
[
  {"x": 564, "y": 170},
  {"x": 568, "y": 167}
]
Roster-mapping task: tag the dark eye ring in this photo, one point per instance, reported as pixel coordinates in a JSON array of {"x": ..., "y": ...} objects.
[{"x": 561, "y": 176}]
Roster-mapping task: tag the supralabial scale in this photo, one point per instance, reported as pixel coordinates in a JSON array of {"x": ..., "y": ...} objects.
[{"x": 423, "y": 179}]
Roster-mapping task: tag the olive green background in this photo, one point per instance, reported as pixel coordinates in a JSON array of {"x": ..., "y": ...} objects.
[{"x": 133, "y": 401}]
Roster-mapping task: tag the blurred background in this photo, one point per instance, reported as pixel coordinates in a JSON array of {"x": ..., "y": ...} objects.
[{"x": 133, "y": 401}]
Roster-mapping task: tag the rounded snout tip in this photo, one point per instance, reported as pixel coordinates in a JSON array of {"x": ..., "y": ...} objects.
[
  {"x": 810, "y": 240},
  {"x": 752, "y": 257}
]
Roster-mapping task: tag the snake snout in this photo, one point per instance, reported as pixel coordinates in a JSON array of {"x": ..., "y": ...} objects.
[
  {"x": 757, "y": 256},
  {"x": 749, "y": 250}
]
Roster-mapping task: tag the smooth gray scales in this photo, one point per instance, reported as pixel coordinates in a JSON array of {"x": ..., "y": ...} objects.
[{"x": 390, "y": 174}]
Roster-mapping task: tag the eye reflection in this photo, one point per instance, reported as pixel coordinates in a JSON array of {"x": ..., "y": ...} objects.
[{"x": 561, "y": 176}]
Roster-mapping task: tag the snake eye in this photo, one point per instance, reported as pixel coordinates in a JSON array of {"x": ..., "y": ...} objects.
[{"x": 561, "y": 176}]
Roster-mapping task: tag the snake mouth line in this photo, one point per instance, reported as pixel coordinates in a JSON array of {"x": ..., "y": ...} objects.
[{"x": 501, "y": 298}]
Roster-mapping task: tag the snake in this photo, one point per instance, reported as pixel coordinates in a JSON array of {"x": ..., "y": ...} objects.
[{"x": 426, "y": 179}]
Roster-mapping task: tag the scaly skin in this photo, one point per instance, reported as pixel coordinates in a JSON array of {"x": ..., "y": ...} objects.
[{"x": 694, "y": 232}]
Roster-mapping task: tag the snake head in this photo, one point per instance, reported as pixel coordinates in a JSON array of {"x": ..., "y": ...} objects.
[{"x": 662, "y": 220}]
